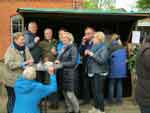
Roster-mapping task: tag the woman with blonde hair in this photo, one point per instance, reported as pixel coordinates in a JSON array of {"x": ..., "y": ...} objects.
[
  {"x": 98, "y": 70},
  {"x": 115, "y": 37},
  {"x": 67, "y": 60}
]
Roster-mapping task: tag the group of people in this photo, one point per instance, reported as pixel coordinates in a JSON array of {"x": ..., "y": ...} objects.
[{"x": 100, "y": 58}]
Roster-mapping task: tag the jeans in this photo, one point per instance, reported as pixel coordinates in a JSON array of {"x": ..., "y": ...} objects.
[
  {"x": 145, "y": 109},
  {"x": 71, "y": 101},
  {"x": 98, "y": 92},
  {"x": 11, "y": 99},
  {"x": 119, "y": 89}
]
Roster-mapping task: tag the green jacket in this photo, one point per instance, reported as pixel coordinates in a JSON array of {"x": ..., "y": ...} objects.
[{"x": 46, "y": 47}]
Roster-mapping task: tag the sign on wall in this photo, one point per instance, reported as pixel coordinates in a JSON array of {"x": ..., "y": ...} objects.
[{"x": 136, "y": 37}]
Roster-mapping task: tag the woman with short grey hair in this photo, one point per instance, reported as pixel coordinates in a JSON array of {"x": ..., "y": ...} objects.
[
  {"x": 16, "y": 58},
  {"x": 30, "y": 92}
]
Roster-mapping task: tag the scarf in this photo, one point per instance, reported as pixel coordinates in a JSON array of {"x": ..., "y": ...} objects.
[
  {"x": 20, "y": 49},
  {"x": 96, "y": 47},
  {"x": 114, "y": 42}
]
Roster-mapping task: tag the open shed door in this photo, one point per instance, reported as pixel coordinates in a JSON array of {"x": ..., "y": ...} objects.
[{"x": 75, "y": 21}]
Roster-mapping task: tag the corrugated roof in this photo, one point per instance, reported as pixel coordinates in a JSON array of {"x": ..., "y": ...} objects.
[{"x": 80, "y": 11}]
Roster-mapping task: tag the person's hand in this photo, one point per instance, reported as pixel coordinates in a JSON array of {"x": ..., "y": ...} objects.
[
  {"x": 36, "y": 39},
  {"x": 2, "y": 82},
  {"x": 86, "y": 52},
  {"x": 84, "y": 40},
  {"x": 29, "y": 62},
  {"x": 51, "y": 70},
  {"x": 57, "y": 62},
  {"x": 53, "y": 51},
  {"x": 89, "y": 53}
]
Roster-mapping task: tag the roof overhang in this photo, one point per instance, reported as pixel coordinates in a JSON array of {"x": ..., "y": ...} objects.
[{"x": 101, "y": 15}]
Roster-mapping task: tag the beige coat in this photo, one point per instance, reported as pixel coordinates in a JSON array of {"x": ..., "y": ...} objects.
[{"x": 11, "y": 69}]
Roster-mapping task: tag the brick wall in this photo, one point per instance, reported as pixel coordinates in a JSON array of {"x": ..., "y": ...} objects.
[{"x": 8, "y": 9}]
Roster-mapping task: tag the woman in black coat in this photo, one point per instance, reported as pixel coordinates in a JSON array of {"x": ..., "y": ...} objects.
[
  {"x": 143, "y": 77},
  {"x": 67, "y": 60}
]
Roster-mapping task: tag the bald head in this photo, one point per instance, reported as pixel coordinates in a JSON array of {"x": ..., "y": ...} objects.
[
  {"x": 48, "y": 33},
  {"x": 32, "y": 27}
]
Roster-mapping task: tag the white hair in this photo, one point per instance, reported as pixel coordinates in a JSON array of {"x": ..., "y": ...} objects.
[
  {"x": 70, "y": 37},
  {"x": 100, "y": 35},
  {"x": 29, "y": 73}
]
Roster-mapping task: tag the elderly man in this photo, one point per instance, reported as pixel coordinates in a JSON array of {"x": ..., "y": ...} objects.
[
  {"x": 31, "y": 41},
  {"x": 48, "y": 46}
]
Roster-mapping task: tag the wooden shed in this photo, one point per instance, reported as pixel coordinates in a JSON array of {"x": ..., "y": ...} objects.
[{"x": 75, "y": 20}]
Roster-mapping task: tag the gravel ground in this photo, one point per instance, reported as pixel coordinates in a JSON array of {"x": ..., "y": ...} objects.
[{"x": 126, "y": 107}]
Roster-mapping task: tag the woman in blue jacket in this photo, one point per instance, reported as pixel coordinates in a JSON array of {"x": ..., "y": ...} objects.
[
  {"x": 117, "y": 69},
  {"x": 29, "y": 92}
]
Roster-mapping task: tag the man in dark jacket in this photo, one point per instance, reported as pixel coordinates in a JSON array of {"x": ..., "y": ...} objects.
[
  {"x": 143, "y": 77},
  {"x": 86, "y": 44},
  {"x": 31, "y": 41},
  {"x": 48, "y": 46}
]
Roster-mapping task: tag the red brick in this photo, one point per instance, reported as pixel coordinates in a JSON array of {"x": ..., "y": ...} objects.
[{"x": 8, "y": 9}]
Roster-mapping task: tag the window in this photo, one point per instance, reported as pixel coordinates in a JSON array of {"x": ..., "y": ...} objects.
[{"x": 17, "y": 24}]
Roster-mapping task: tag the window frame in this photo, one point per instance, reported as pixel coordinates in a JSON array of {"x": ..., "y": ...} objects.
[{"x": 20, "y": 21}]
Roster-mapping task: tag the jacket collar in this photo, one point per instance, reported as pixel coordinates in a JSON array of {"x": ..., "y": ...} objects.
[{"x": 114, "y": 42}]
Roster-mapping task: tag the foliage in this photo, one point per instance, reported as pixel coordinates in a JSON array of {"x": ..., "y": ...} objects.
[
  {"x": 143, "y": 4},
  {"x": 132, "y": 58},
  {"x": 98, "y": 4},
  {"x": 88, "y": 4}
]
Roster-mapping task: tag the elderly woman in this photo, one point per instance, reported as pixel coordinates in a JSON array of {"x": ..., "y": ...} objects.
[
  {"x": 98, "y": 70},
  {"x": 16, "y": 58},
  {"x": 117, "y": 69},
  {"x": 29, "y": 92},
  {"x": 67, "y": 60}
]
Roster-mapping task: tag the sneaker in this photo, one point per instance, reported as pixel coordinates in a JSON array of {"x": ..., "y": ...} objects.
[
  {"x": 98, "y": 111},
  {"x": 92, "y": 110},
  {"x": 102, "y": 112}
]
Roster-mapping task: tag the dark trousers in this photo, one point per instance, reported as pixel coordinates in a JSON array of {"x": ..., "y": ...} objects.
[
  {"x": 11, "y": 99},
  {"x": 86, "y": 95},
  {"x": 145, "y": 109},
  {"x": 115, "y": 83},
  {"x": 98, "y": 82}
]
